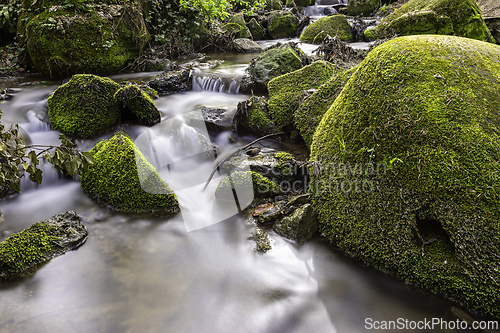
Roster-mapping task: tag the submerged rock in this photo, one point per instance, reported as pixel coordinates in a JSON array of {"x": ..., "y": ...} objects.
[
  {"x": 137, "y": 106},
  {"x": 172, "y": 82},
  {"x": 123, "y": 180},
  {"x": 84, "y": 106},
  {"x": 22, "y": 253},
  {"x": 410, "y": 155},
  {"x": 443, "y": 17},
  {"x": 335, "y": 25}
]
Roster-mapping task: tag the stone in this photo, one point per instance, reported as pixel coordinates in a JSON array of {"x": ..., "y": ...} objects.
[
  {"x": 172, "y": 82},
  {"x": 137, "y": 106},
  {"x": 335, "y": 25},
  {"x": 245, "y": 45},
  {"x": 282, "y": 24},
  {"x": 364, "y": 7},
  {"x": 299, "y": 226}
]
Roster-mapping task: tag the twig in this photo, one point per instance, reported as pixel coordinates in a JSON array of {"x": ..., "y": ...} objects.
[{"x": 237, "y": 151}]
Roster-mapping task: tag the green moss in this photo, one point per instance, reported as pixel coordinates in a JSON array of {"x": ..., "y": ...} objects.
[
  {"x": 446, "y": 17},
  {"x": 299, "y": 3},
  {"x": 426, "y": 108},
  {"x": 282, "y": 24},
  {"x": 137, "y": 106},
  {"x": 309, "y": 114},
  {"x": 256, "y": 29},
  {"x": 285, "y": 90},
  {"x": 370, "y": 34},
  {"x": 84, "y": 106},
  {"x": 273, "y": 5},
  {"x": 241, "y": 31},
  {"x": 364, "y": 7},
  {"x": 262, "y": 186},
  {"x": 114, "y": 179},
  {"x": 335, "y": 25}
]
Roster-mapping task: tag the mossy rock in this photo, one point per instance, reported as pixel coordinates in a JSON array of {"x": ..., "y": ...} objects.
[
  {"x": 274, "y": 62},
  {"x": 285, "y": 90},
  {"x": 309, "y": 114},
  {"x": 62, "y": 43},
  {"x": 282, "y": 24},
  {"x": 256, "y": 29},
  {"x": 410, "y": 153},
  {"x": 299, "y": 226},
  {"x": 444, "y": 17},
  {"x": 299, "y": 3},
  {"x": 252, "y": 117},
  {"x": 240, "y": 31},
  {"x": 370, "y": 34},
  {"x": 23, "y": 252},
  {"x": 335, "y": 25},
  {"x": 273, "y": 5},
  {"x": 262, "y": 187},
  {"x": 172, "y": 82},
  {"x": 137, "y": 106},
  {"x": 123, "y": 180},
  {"x": 84, "y": 106},
  {"x": 364, "y": 7}
]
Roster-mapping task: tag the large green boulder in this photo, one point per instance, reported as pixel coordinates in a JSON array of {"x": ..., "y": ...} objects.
[
  {"x": 23, "y": 252},
  {"x": 123, "y": 180},
  {"x": 443, "y": 17},
  {"x": 410, "y": 166},
  {"x": 84, "y": 106},
  {"x": 365, "y": 7},
  {"x": 61, "y": 43},
  {"x": 285, "y": 91},
  {"x": 282, "y": 24},
  {"x": 252, "y": 116},
  {"x": 335, "y": 25},
  {"x": 274, "y": 62},
  {"x": 137, "y": 106},
  {"x": 309, "y": 114}
]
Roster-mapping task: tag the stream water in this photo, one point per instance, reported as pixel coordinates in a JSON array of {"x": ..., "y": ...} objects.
[{"x": 152, "y": 275}]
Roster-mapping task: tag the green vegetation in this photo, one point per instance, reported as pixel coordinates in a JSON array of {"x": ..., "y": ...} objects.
[
  {"x": 84, "y": 106},
  {"x": 282, "y": 24},
  {"x": 364, "y": 7},
  {"x": 262, "y": 186},
  {"x": 122, "y": 179},
  {"x": 137, "y": 106},
  {"x": 335, "y": 25},
  {"x": 423, "y": 110},
  {"x": 444, "y": 17}
]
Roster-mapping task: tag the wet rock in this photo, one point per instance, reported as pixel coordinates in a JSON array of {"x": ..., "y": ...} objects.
[
  {"x": 441, "y": 17},
  {"x": 84, "y": 106},
  {"x": 299, "y": 225},
  {"x": 270, "y": 215},
  {"x": 123, "y": 180},
  {"x": 257, "y": 211},
  {"x": 261, "y": 238},
  {"x": 137, "y": 107},
  {"x": 245, "y": 45},
  {"x": 335, "y": 25},
  {"x": 282, "y": 24},
  {"x": 273, "y": 5},
  {"x": 217, "y": 119},
  {"x": 256, "y": 29},
  {"x": 493, "y": 24},
  {"x": 244, "y": 181},
  {"x": 22, "y": 253},
  {"x": 238, "y": 26},
  {"x": 172, "y": 82},
  {"x": 252, "y": 116},
  {"x": 329, "y": 11},
  {"x": 299, "y": 3},
  {"x": 361, "y": 7}
]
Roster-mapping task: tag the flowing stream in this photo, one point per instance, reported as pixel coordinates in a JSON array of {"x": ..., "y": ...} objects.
[{"x": 153, "y": 275}]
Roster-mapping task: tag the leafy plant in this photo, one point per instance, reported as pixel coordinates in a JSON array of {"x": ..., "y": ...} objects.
[{"x": 18, "y": 158}]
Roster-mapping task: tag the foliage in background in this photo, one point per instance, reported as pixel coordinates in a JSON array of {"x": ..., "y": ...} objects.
[{"x": 17, "y": 158}]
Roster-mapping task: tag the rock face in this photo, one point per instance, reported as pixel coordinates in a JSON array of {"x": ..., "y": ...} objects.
[
  {"x": 282, "y": 24},
  {"x": 285, "y": 90},
  {"x": 274, "y": 62},
  {"x": 309, "y": 114},
  {"x": 61, "y": 43},
  {"x": 22, "y": 253},
  {"x": 172, "y": 82},
  {"x": 137, "y": 106},
  {"x": 365, "y": 7},
  {"x": 335, "y": 25},
  {"x": 84, "y": 106},
  {"x": 415, "y": 138},
  {"x": 123, "y": 180},
  {"x": 443, "y": 17}
]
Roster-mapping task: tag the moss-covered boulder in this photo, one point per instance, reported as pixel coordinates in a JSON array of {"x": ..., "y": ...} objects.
[
  {"x": 84, "y": 106},
  {"x": 273, "y": 5},
  {"x": 274, "y": 62},
  {"x": 23, "y": 252},
  {"x": 252, "y": 116},
  {"x": 370, "y": 34},
  {"x": 443, "y": 17},
  {"x": 410, "y": 155},
  {"x": 364, "y": 7},
  {"x": 282, "y": 24},
  {"x": 299, "y": 3},
  {"x": 299, "y": 226},
  {"x": 335, "y": 25},
  {"x": 172, "y": 82},
  {"x": 239, "y": 30},
  {"x": 309, "y": 114},
  {"x": 62, "y": 43},
  {"x": 262, "y": 187},
  {"x": 137, "y": 106},
  {"x": 256, "y": 29},
  {"x": 285, "y": 90},
  {"x": 123, "y": 180}
]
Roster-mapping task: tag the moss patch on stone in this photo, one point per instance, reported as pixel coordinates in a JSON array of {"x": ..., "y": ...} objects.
[
  {"x": 364, "y": 7},
  {"x": 309, "y": 114},
  {"x": 284, "y": 91},
  {"x": 256, "y": 29},
  {"x": 444, "y": 17},
  {"x": 299, "y": 3},
  {"x": 335, "y": 25},
  {"x": 84, "y": 106},
  {"x": 282, "y": 24},
  {"x": 122, "y": 179},
  {"x": 262, "y": 187},
  {"x": 137, "y": 106},
  {"x": 418, "y": 127}
]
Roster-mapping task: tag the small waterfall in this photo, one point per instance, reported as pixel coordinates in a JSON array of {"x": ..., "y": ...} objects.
[
  {"x": 35, "y": 124},
  {"x": 216, "y": 83}
]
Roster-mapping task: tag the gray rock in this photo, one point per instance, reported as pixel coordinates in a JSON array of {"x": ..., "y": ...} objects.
[
  {"x": 216, "y": 119},
  {"x": 245, "y": 45},
  {"x": 172, "y": 82},
  {"x": 298, "y": 226}
]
